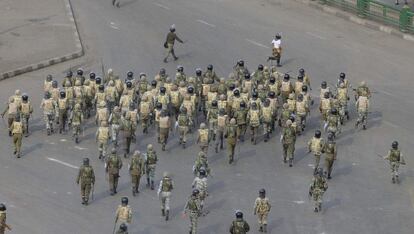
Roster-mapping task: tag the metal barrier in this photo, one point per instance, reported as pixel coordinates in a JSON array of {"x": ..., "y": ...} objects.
[{"x": 374, "y": 10}]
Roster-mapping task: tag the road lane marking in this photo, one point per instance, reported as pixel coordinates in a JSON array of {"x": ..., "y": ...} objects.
[
  {"x": 162, "y": 6},
  {"x": 298, "y": 202},
  {"x": 114, "y": 25},
  {"x": 208, "y": 24},
  {"x": 63, "y": 163},
  {"x": 390, "y": 124},
  {"x": 80, "y": 148},
  {"x": 316, "y": 35},
  {"x": 63, "y": 140},
  {"x": 257, "y": 43}
]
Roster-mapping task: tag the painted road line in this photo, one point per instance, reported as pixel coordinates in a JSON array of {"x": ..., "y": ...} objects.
[
  {"x": 257, "y": 43},
  {"x": 63, "y": 163}
]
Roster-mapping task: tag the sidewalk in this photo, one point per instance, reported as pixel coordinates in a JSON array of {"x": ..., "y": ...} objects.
[{"x": 36, "y": 34}]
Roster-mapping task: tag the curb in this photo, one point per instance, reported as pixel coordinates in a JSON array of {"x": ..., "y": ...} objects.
[
  {"x": 355, "y": 19},
  {"x": 49, "y": 62}
]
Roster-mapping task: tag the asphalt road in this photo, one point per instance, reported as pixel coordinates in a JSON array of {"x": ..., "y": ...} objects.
[{"x": 40, "y": 188}]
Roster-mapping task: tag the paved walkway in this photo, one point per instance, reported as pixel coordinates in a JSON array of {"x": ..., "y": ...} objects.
[{"x": 34, "y": 34}]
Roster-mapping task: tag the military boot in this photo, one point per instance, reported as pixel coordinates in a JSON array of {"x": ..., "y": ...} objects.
[
  {"x": 167, "y": 215},
  {"x": 100, "y": 155},
  {"x": 152, "y": 185},
  {"x": 265, "y": 228},
  {"x": 260, "y": 228},
  {"x": 162, "y": 212},
  {"x": 393, "y": 180},
  {"x": 216, "y": 149},
  {"x": 163, "y": 146},
  {"x": 184, "y": 145},
  {"x": 290, "y": 162},
  {"x": 134, "y": 190},
  {"x": 83, "y": 201},
  {"x": 148, "y": 182}
]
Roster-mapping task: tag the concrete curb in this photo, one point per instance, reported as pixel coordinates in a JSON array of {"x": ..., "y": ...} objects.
[
  {"x": 49, "y": 62},
  {"x": 355, "y": 19}
]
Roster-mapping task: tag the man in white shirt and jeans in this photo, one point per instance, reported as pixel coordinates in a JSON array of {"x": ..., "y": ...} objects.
[{"x": 277, "y": 49}]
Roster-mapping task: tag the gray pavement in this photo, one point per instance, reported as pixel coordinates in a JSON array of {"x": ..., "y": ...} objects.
[
  {"x": 35, "y": 35},
  {"x": 43, "y": 198}
]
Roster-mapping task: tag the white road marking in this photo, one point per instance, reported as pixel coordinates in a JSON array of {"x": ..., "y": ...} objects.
[
  {"x": 63, "y": 163},
  {"x": 310, "y": 165},
  {"x": 386, "y": 93},
  {"x": 354, "y": 164},
  {"x": 80, "y": 148},
  {"x": 113, "y": 25},
  {"x": 63, "y": 140},
  {"x": 316, "y": 35},
  {"x": 208, "y": 24},
  {"x": 162, "y": 6},
  {"x": 69, "y": 193},
  {"x": 390, "y": 124},
  {"x": 298, "y": 202},
  {"x": 257, "y": 43}
]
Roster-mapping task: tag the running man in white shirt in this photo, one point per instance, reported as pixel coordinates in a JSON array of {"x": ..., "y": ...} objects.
[{"x": 276, "y": 49}]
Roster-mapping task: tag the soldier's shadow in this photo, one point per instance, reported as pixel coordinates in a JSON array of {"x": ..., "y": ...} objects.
[
  {"x": 31, "y": 148},
  {"x": 331, "y": 203},
  {"x": 300, "y": 154},
  {"x": 274, "y": 223},
  {"x": 126, "y": 3}
]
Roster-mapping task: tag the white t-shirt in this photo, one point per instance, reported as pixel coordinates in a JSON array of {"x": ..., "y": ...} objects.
[{"x": 276, "y": 43}]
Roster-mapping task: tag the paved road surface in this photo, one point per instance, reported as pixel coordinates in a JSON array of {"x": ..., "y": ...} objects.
[{"x": 43, "y": 198}]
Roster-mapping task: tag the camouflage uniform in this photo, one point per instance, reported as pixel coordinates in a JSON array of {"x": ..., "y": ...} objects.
[
  {"x": 86, "y": 177},
  {"x": 150, "y": 163},
  {"x": 113, "y": 165},
  {"x": 136, "y": 169}
]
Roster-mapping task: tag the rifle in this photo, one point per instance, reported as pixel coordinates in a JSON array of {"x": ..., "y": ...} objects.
[
  {"x": 103, "y": 71},
  {"x": 93, "y": 190},
  {"x": 116, "y": 220}
]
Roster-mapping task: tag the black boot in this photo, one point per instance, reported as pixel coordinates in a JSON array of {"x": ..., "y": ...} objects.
[
  {"x": 290, "y": 162},
  {"x": 148, "y": 182},
  {"x": 152, "y": 185},
  {"x": 265, "y": 228},
  {"x": 162, "y": 212},
  {"x": 167, "y": 215}
]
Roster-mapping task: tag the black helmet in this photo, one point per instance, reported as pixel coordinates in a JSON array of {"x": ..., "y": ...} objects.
[
  {"x": 326, "y": 95},
  {"x": 49, "y": 77},
  {"x": 195, "y": 192},
  {"x": 286, "y": 77},
  {"x": 79, "y": 72},
  {"x": 17, "y": 118},
  {"x": 183, "y": 110},
  {"x": 130, "y": 74},
  {"x": 292, "y": 118},
  {"x": 162, "y": 71},
  {"x": 323, "y": 84},
  {"x": 158, "y": 105},
  {"x": 255, "y": 94},
  {"x": 302, "y": 71},
  {"x": 246, "y": 76},
  {"x": 254, "y": 105},
  {"x": 242, "y": 104},
  {"x": 47, "y": 95},
  {"x": 320, "y": 171},
  {"x": 214, "y": 103},
  {"x": 232, "y": 86},
  {"x": 25, "y": 97},
  {"x": 272, "y": 80},
  {"x": 98, "y": 80},
  {"x": 62, "y": 94},
  {"x": 394, "y": 144},
  {"x": 69, "y": 74},
  {"x": 54, "y": 84},
  {"x": 239, "y": 214},
  {"x": 271, "y": 94},
  {"x": 304, "y": 88},
  {"x": 129, "y": 84},
  {"x": 278, "y": 36},
  {"x": 92, "y": 75},
  {"x": 260, "y": 67},
  {"x": 318, "y": 133},
  {"x": 266, "y": 102},
  {"x": 300, "y": 77},
  {"x": 202, "y": 172},
  {"x": 162, "y": 90},
  {"x": 236, "y": 92},
  {"x": 124, "y": 201},
  {"x": 190, "y": 89},
  {"x": 262, "y": 191},
  {"x": 198, "y": 72},
  {"x": 101, "y": 87},
  {"x": 222, "y": 111},
  {"x": 342, "y": 75},
  {"x": 86, "y": 161},
  {"x": 123, "y": 227},
  {"x": 334, "y": 111},
  {"x": 330, "y": 136},
  {"x": 300, "y": 97},
  {"x": 2, "y": 207},
  {"x": 180, "y": 68},
  {"x": 210, "y": 67},
  {"x": 240, "y": 63},
  {"x": 153, "y": 83}
]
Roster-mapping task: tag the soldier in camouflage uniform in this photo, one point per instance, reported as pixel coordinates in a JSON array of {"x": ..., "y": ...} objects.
[
  {"x": 133, "y": 116},
  {"x": 317, "y": 188},
  {"x": 63, "y": 105},
  {"x": 333, "y": 122},
  {"x": 362, "y": 90},
  {"x": 268, "y": 119},
  {"x": 76, "y": 119},
  {"x": 26, "y": 109},
  {"x": 86, "y": 177},
  {"x": 261, "y": 209},
  {"x": 241, "y": 117},
  {"x": 200, "y": 183},
  {"x": 115, "y": 122},
  {"x": 231, "y": 135},
  {"x": 136, "y": 170},
  {"x": 145, "y": 113},
  {"x": 210, "y": 73},
  {"x": 396, "y": 159},
  {"x": 316, "y": 145},
  {"x": 239, "y": 226},
  {"x": 49, "y": 107},
  {"x": 123, "y": 229},
  {"x": 193, "y": 208},
  {"x": 222, "y": 121},
  {"x": 362, "y": 106},
  {"x": 288, "y": 140},
  {"x": 286, "y": 88},
  {"x": 284, "y": 115},
  {"x": 127, "y": 133},
  {"x": 203, "y": 138},
  {"x": 183, "y": 124},
  {"x": 302, "y": 111},
  {"x": 164, "y": 128},
  {"x": 150, "y": 164},
  {"x": 201, "y": 163},
  {"x": 164, "y": 193},
  {"x": 123, "y": 214},
  {"x": 330, "y": 154},
  {"x": 102, "y": 137},
  {"x": 102, "y": 114},
  {"x": 112, "y": 167},
  {"x": 212, "y": 115},
  {"x": 254, "y": 118}
]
